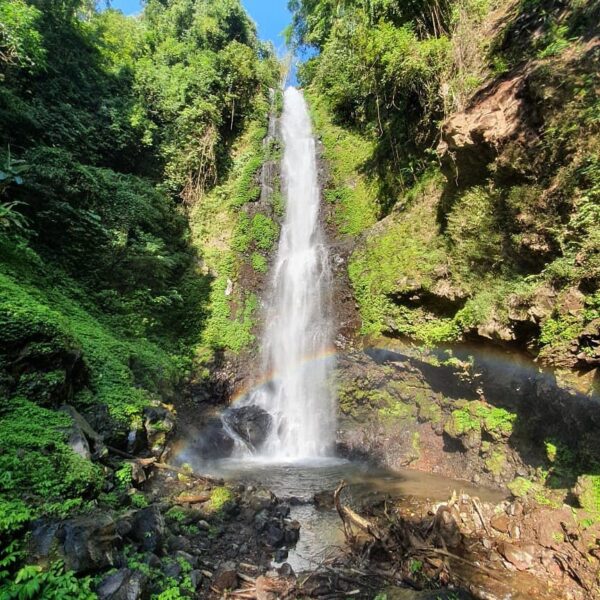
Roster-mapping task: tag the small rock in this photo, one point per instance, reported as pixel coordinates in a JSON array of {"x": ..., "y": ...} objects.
[
  {"x": 261, "y": 519},
  {"x": 500, "y": 523},
  {"x": 261, "y": 500},
  {"x": 226, "y": 577},
  {"x": 148, "y": 528},
  {"x": 172, "y": 570},
  {"x": 179, "y": 543},
  {"x": 280, "y": 555},
  {"x": 292, "y": 533},
  {"x": 274, "y": 536},
  {"x": 514, "y": 531},
  {"x": 125, "y": 584},
  {"x": 196, "y": 578},
  {"x": 153, "y": 561},
  {"x": 518, "y": 557},
  {"x": 323, "y": 499},
  {"x": 282, "y": 510},
  {"x": 158, "y": 423},
  {"x": 191, "y": 560},
  {"x": 285, "y": 570}
]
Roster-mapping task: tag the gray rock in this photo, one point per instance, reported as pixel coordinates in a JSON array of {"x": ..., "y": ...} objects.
[
  {"x": 213, "y": 441},
  {"x": 274, "y": 536},
  {"x": 159, "y": 422},
  {"x": 86, "y": 543},
  {"x": 172, "y": 570},
  {"x": 148, "y": 528},
  {"x": 83, "y": 440},
  {"x": 251, "y": 423},
  {"x": 292, "y": 533},
  {"x": 280, "y": 555},
  {"x": 196, "y": 578},
  {"x": 125, "y": 584}
]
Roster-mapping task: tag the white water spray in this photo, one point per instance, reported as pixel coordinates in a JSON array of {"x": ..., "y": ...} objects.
[{"x": 298, "y": 329}]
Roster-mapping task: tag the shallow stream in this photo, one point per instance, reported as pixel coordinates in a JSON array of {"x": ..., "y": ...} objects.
[{"x": 298, "y": 482}]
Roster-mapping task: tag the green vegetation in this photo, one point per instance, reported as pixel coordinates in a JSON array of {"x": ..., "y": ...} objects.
[
  {"x": 495, "y": 462},
  {"x": 113, "y": 130},
  {"x": 220, "y": 499},
  {"x": 454, "y": 250},
  {"x": 227, "y": 226},
  {"x": 588, "y": 488},
  {"x": 264, "y": 231},
  {"x": 478, "y": 416},
  {"x": 520, "y": 486},
  {"x": 259, "y": 262},
  {"x": 354, "y": 194}
]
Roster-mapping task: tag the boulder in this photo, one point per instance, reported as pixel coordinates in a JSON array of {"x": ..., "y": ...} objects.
[
  {"x": 251, "y": 423},
  {"x": 226, "y": 577},
  {"x": 148, "y": 528},
  {"x": 292, "y": 533},
  {"x": 518, "y": 557},
  {"x": 213, "y": 441},
  {"x": 473, "y": 138},
  {"x": 274, "y": 536},
  {"x": 125, "y": 584},
  {"x": 83, "y": 440},
  {"x": 158, "y": 423},
  {"x": 86, "y": 543}
]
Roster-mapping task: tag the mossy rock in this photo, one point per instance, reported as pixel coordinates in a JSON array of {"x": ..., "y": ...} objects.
[
  {"x": 496, "y": 462},
  {"x": 587, "y": 492},
  {"x": 396, "y": 410},
  {"x": 520, "y": 487},
  {"x": 476, "y": 417},
  {"x": 428, "y": 409},
  {"x": 462, "y": 423},
  {"x": 221, "y": 499}
]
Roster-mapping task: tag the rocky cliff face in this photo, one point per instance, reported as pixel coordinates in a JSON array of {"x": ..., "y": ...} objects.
[
  {"x": 478, "y": 295},
  {"x": 493, "y": 418}
]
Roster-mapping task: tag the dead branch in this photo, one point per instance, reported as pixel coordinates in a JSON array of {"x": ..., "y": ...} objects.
[
  {"x": 164, "y": 466},
  {"x": 349, "y": 518},
  {"x": 192, "y": 498}
]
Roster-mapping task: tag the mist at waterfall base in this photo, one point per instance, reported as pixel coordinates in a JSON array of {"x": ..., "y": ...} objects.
[{"x": 298, "y": 397}]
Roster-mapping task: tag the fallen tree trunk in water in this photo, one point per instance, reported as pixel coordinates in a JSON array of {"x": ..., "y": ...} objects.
[{"x": 349, "y": 518}]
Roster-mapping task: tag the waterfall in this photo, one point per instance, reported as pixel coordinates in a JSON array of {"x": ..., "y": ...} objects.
[{"x": 298, "y": 330}]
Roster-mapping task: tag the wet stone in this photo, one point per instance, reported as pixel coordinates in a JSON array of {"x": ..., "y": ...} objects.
[
  {"x": 280, "y": 555},
  {"x": 226, "y": 577},
  {"x": 274, "y": 536},
  {"x": 125, "y": 584}
]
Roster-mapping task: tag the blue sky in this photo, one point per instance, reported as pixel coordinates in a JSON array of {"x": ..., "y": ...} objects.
[{"x": 271, "y": 16}]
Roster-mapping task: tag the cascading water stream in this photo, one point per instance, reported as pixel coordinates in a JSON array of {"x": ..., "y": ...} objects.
[{"x": 298, "y": 328}]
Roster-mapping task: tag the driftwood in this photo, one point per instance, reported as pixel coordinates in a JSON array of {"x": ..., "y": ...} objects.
[
  {"x": 192, "y": 498},
  {"x": 153, "y": 462},
  {"x": 349, "y": 518}
]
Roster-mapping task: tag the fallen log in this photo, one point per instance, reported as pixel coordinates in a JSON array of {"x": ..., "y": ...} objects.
[
  {"x": 349, "y": 518},
  {"x": 152, "y": 462},
  {"x": 192, "y": 498}
]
